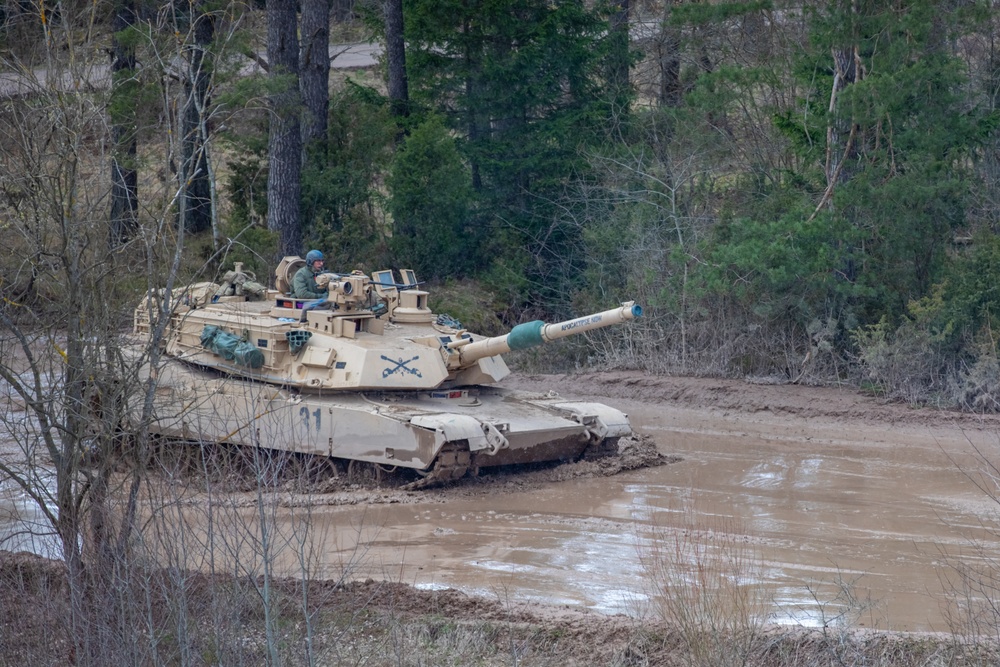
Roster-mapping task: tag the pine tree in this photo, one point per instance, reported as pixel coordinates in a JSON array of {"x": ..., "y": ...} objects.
[{"x": 523, "y": 83}]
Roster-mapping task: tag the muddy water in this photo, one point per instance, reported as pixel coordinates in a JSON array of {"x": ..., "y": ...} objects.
[
  {"x": 839, "y": 522},
  {"x": 836, "y": 524}
]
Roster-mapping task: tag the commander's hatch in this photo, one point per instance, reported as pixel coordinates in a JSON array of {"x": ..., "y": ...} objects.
[{"x": 285, "y": 273}]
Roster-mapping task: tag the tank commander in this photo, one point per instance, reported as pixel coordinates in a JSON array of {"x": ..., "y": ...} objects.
[{"x": 304, "y": 284}]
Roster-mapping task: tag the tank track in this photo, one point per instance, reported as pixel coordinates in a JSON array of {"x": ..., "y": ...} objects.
[
  {"x": 600, "y": 449},
  {"x": 452, "y": 462}
]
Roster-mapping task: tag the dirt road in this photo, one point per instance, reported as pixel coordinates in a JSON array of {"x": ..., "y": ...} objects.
[{"x": 96, "y": 76}]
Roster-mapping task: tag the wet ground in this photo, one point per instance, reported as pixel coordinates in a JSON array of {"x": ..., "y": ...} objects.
[
  {"x": 839, "y": 510},
  {"x": 856, "y": 513}
]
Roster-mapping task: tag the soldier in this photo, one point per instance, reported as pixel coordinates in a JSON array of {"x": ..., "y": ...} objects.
[{"x": 304, "y": 283}]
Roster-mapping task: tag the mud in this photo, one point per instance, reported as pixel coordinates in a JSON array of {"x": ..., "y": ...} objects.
[
  {"x": 852, "y": 512},
  {"x": 859, "y": 513}
]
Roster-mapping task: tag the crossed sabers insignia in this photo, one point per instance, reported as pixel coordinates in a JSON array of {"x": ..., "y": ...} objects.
[{"x": 400, "y": 366}]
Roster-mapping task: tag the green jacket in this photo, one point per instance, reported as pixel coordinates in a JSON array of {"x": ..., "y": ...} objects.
[{"x": 304, "y": 285}]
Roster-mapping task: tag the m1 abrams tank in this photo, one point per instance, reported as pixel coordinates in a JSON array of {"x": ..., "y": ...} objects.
[{"x": 367, "y": 374}]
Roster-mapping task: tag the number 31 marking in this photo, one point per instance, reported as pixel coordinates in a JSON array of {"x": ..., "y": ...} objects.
[{"x": 304, "y": 413}]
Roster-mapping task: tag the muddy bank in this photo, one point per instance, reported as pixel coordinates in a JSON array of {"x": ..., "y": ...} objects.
[
  {"x": 750, "y": 397},
  {"x": 383, "y": 623}
]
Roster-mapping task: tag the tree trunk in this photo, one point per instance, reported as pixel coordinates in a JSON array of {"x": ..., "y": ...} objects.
[
  {"x": 839, "y": 135},
  {"x": 473, "y": 68},
  {"x": 196, "y": 192},
  {"x": 124, "y": 185},
  {"x": 669, "y": 48},
  {"x": 618, "y": 62},
  {"x": 284, "y": 141},
  {"x": 343, "y": 10},
  {"x": 395, "y": 53},
  {"x": 314, "y": 62},
  {"x": 124, "y": 181}
]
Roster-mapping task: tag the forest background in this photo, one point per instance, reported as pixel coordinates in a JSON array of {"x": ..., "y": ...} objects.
[{"x": 802, "y": 192}]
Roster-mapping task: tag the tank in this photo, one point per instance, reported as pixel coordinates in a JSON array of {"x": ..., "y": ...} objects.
[{"x": 367, "y": 374}]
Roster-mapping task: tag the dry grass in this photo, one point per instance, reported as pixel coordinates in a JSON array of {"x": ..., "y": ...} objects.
[
  {"x": 704, "y": 580},
  {"x": 709, "y": 610}
]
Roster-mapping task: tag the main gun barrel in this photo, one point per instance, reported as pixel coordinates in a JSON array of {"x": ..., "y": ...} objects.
[{"x": 535, "y": 333}]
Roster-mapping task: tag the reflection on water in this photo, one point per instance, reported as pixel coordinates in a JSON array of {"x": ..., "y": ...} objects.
[{"x": 23, "y": 527}]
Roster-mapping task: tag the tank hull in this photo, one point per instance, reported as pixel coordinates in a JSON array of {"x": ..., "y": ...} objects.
[{"x": 461, "y": 428}]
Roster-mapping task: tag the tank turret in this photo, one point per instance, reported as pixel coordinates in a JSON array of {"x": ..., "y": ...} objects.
[{"x": 366, "y": 373}]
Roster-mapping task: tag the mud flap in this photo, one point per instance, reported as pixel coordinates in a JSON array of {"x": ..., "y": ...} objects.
[
  {"x": 480, "y": 435},
  {"x": 601, "y": 421}
]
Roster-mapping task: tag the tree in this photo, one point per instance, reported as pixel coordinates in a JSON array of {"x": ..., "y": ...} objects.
[
  {"x": 343, "y": 10},
  {"x": 701, "y": 149},
  {"x": 430, "y": 199},
  {"x": 668, "y": 59},
  {"x": 284, "y": 139},
  {"x": 195, "y": 203},
  {"x": 619, "y": 60},
  {"x": 522, "y": 83},
  {"x": 80, "y": 391},
  {"x": 897, "y": 140},
  {"x": 61, "y": 334},
  {"x": 314, "y": 68},
  {"x": 124, "y": 190},
  {"x": 395, "y": 56},
  {"x": 341, "y": 191}
]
